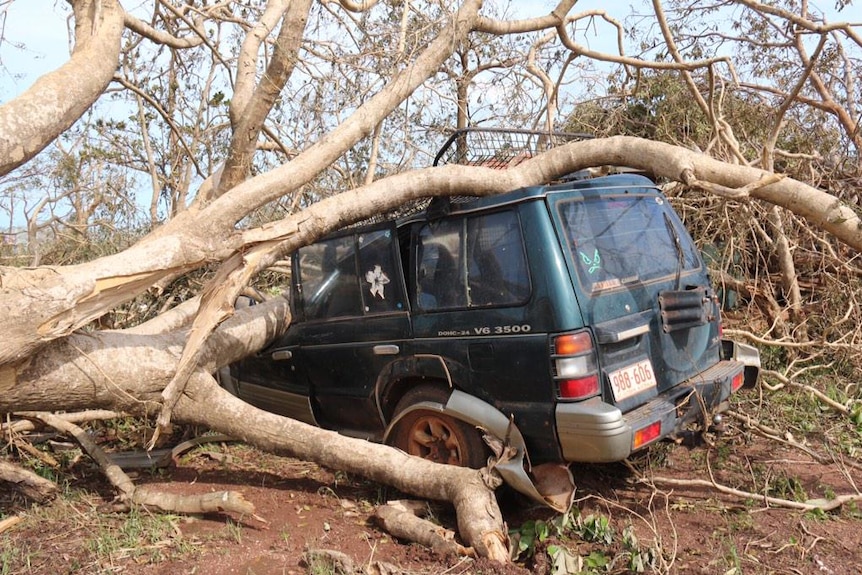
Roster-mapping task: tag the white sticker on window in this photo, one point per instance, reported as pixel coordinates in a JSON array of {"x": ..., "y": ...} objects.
[{"x": 377, "y": 279}]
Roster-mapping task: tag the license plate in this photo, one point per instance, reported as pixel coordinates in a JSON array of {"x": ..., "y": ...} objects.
[{"x": 632, "y": 380}]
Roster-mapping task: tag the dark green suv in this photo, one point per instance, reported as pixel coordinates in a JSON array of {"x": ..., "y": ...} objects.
[{"x": 574, "y": 322}]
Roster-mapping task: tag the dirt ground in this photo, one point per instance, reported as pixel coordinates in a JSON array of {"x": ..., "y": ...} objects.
[{"x": 303, "y": 508}]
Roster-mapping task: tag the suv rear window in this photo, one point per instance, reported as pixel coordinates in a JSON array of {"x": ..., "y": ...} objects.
[
  {"x": 472, "y": 262},
  {"x": 623, "y": 239}
]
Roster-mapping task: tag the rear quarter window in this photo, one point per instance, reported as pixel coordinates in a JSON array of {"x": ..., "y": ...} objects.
[{"x": 352, "y": 275}]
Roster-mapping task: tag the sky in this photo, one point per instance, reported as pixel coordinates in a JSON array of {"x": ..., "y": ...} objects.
[
  {"x": 35, "y": 35},
  {"x": 35, "y": 40}
]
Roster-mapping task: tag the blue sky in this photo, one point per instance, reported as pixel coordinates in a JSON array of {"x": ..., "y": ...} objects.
[{"x": 35, "y": 41}]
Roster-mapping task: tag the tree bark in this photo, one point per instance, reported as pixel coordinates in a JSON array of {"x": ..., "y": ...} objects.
[
  {"x": 112, "y": 370},
  {"x": 28, "y": 483},
  {"x": 56, "y": 100}
]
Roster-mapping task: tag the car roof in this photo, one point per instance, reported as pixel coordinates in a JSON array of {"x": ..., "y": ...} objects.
[{"x": 445, "y": 206}]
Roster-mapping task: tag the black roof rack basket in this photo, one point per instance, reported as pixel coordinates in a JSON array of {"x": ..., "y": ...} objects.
[{"x": 500, "y": 148}]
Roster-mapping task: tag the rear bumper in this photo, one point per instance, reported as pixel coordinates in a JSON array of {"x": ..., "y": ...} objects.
[{"x": 595, "y": 431}]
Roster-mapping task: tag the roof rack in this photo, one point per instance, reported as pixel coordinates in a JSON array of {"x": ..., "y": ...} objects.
[{"x": 500, "y": 148}]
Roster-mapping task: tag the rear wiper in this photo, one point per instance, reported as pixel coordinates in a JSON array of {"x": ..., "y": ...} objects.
[{"x": 680, "y": 254}]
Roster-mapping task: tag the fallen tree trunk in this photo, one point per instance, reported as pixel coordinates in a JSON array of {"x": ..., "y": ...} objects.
[
  {"x": 470, "y": 491},
  {"x": 123, "y": 372}
]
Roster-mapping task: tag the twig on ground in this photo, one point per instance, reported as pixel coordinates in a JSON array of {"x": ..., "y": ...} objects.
[
  {"x": 225, "y": 501},
  {"x": 787, "y": 439}
]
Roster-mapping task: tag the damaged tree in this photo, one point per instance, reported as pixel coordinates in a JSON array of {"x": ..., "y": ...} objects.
[{"x": 163, "y": 368}]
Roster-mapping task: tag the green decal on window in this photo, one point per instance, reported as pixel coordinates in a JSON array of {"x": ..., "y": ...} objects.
[{"x": 595, "y": 262}]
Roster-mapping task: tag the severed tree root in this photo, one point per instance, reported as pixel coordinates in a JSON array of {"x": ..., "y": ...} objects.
[
  {"x": 224, "y": 501},
  {"x": 400, "y": 518}
]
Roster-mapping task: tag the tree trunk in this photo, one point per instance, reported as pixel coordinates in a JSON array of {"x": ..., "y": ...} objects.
[{"x": 114, "y": 370}]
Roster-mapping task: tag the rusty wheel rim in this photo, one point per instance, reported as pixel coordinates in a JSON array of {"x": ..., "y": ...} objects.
[{"x": 434, "y": 439}]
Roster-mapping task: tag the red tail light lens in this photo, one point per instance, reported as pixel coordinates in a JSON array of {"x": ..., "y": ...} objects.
[
  {"x": 737, "y": 381},
  {"x": 575, "y": 367},
  {"x": 579, "y": 388},
  {"x": 646, "y": 434}
]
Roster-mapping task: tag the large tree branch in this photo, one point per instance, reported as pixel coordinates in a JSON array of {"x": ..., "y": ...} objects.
[
  {"x": 250, "y": 107},
  {"x": 802, "y": 22},
  {"x": 56, "y": 100},
  {"x": 217, "y": 304},
  {"x": 470, "y": 491},
  {"x": 42, "y": 304},
  {"x": 127, "y": 373},
  {"x": 160, "y": 36},
  {"x": 501, "y": 27},
  {"x": 233, "y": 206}
]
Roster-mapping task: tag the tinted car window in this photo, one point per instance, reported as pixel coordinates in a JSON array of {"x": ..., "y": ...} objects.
[
  {"x": 623, "y": 239},
  {"x": 327, "y": 274},
  {"x": 331, "y": 284},
  {"x": 439, "y": 285},
  {"x": 472, "y": 262},
  {"x": 381, "y": 285}
]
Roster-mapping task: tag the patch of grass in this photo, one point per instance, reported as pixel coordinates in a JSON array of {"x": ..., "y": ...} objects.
[
  {"x": 136, "y": 534},
  {"x": 71, "y": 535},
  {"x": 740, "y": 521},
  {"x": 12, "y": 556},
  {"x": 729, "y": 561},
  {"x": 733, "y": 560},
  {"x": 234, "y": 531},
  {"x": 786, "y": 487}
]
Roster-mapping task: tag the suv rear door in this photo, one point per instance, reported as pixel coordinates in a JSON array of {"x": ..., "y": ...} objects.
[{"x": 641, "y": 286}]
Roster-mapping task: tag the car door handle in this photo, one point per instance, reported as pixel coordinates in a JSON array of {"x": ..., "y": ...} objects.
[
  {"x": 282, "y": 355},
  {"x": 386, "y": 349}
]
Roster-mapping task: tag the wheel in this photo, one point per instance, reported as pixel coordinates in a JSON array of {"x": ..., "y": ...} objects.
[{"x": 436, "y": 436}]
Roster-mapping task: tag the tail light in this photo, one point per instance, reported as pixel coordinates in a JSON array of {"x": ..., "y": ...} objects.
[
  {"x": 575, "y": 366},
  {"x": 737, "y": 381},
  {"x": 646, "y": 434}
]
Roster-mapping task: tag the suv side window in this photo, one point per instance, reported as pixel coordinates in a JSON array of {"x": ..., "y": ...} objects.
[
  {"x": 381, "y": 283},
  {"x": 350, "y": 276},
  {"x": 327, "y": 276},
  {"x": 472, "y": 262}
]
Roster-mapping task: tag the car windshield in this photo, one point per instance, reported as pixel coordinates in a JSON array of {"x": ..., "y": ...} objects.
[{"x": 617, "y": 240}]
